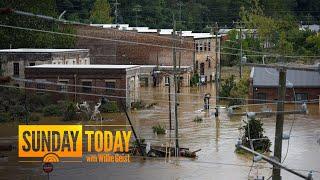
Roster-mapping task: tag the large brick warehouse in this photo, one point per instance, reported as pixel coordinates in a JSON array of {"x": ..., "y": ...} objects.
[{"x": 80, "y": 81}]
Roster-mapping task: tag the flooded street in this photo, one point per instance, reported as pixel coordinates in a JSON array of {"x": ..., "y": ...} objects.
[{"x": 216, "y": 137}]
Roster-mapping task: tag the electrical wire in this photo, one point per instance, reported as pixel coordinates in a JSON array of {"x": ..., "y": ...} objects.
[
  {"x": 179, "y": 94},
  {"x": 290, "y": 131},
  {"x": 129, "y": 42}
]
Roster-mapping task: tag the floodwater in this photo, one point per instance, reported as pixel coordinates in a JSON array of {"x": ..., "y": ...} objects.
[{"x": 216, "y": 137}]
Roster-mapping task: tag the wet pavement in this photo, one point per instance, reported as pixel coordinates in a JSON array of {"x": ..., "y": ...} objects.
[{"x": 216, "y": 137}]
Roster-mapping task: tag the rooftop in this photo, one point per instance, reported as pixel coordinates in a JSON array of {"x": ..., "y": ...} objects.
[
  {"x": 313, "y": 27},
  {"x": 269, "y": 77},
  {"x": 163, "y": 32},
  {"x": 87, "y": 66},
  {"x": 27, "y": 50}
]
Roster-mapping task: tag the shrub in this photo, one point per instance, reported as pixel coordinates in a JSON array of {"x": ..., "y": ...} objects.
[
  {"x": 109, "y": 107},
  {"x": 52, "y": 110},
  {"x": 37, "y": 102},
  {"x": 34, "y": 117},
  {"x": 138, "y": 105},
  {"x": 194, "y": 79},
  {"x": 159, "y": 129},
  {"x": 228, "y": 85},
  {"x": 70, "y": 112},
  {"x": 5, "y": 117},
  {"x": 255, "y": 127},
  {"x": 239, "y": 92},
  {"x": 197, "y": 119}
]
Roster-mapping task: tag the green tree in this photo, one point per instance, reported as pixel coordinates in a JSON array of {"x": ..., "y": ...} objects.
[
  {"x": 16, "y": 38},
  {"x": 100, "y": 13}
]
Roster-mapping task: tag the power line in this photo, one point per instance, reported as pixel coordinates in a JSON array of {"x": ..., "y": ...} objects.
[
  {"x": 180, "y": 94},
  {"x": 91, "y": 37},
  {"x": 78, "y": 23}
]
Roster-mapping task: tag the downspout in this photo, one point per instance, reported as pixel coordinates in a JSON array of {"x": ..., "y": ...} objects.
[{"x": 75, "y": 87}]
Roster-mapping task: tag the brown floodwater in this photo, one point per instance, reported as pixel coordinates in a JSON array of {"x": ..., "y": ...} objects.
[{"x": 216, "y": 137}]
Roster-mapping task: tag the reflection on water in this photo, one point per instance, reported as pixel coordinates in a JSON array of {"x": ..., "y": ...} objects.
[{"x": 215, "y": 137}]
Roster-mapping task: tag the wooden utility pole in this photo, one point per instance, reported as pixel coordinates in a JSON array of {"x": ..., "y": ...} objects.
[
  {"x": 279, "y": 123},
  {"x": 276, "y": 173},
  {"x": 217, "y": 74},
  {"x": 241, "y": 51},
  {"x": 170, "y": 121},
  {"x": 175, "y": 86},
  {"x": 116, "y": 11},
  {"x": 179, "y": 78}
]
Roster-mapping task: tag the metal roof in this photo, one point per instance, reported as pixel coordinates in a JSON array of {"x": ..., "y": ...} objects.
[
  {"x": 313, "y": 27},
  {"x": 269, "y": 77},
  {"x": 84, "y": 66},
  {"x": 27, "y": 50}
]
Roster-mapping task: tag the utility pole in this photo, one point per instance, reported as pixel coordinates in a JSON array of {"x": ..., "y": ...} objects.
[
  {"x": 116, "y": 12},
  {"x": 137, "y": 9},
  {"x": 241, "y": 51},
  {"x": 179, "y": 78},
  {"x": 279, "y": 123},
  {"x": 276, "y": 173},
  {"x": 180, "y": 37},
  {"x": 170, "y": 119},
  {"x": 217, "y": 74},
  {"x": 175, "y": 86}
]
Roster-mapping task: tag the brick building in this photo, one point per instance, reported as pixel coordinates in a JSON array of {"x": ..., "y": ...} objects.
[
  {"x": 264, "y": 85},
  {"x": 132, "y": 47},
  {"x": 205, "y": 46},
  {"x": 14, "y": 61},
  {"x": 114, "y": 81}
]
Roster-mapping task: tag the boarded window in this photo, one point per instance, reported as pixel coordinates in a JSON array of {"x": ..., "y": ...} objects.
[
  {"x": 209, "y": 46},
  {"x": 261, "y": 98},
  {"x": 110, "y": 86},
  {"x": 86, "y": 86}
]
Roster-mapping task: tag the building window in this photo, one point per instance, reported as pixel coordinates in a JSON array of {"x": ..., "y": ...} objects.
[
  {"x": 86, "y": 86},
  {"x": 197, "y": 47},
  {"x": 110, "y": 86},
  {"x": 32, "y": 64},
  {"x": 200, "y": 47},
  {"x": 63, "y": 87},
  {"x": 41, "y": 86},
  {"x": 301, "y": 97},
  {"x": 166, "y": 80},
  {"x": 262, "y": 97},
  {"x": 16, "y": 69},
  {"x": 209, "y": 46},
  {"x": 197, "y": 65},
  {"x": 202, "y": 69},
  {"x": 205, "y": 46}
]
